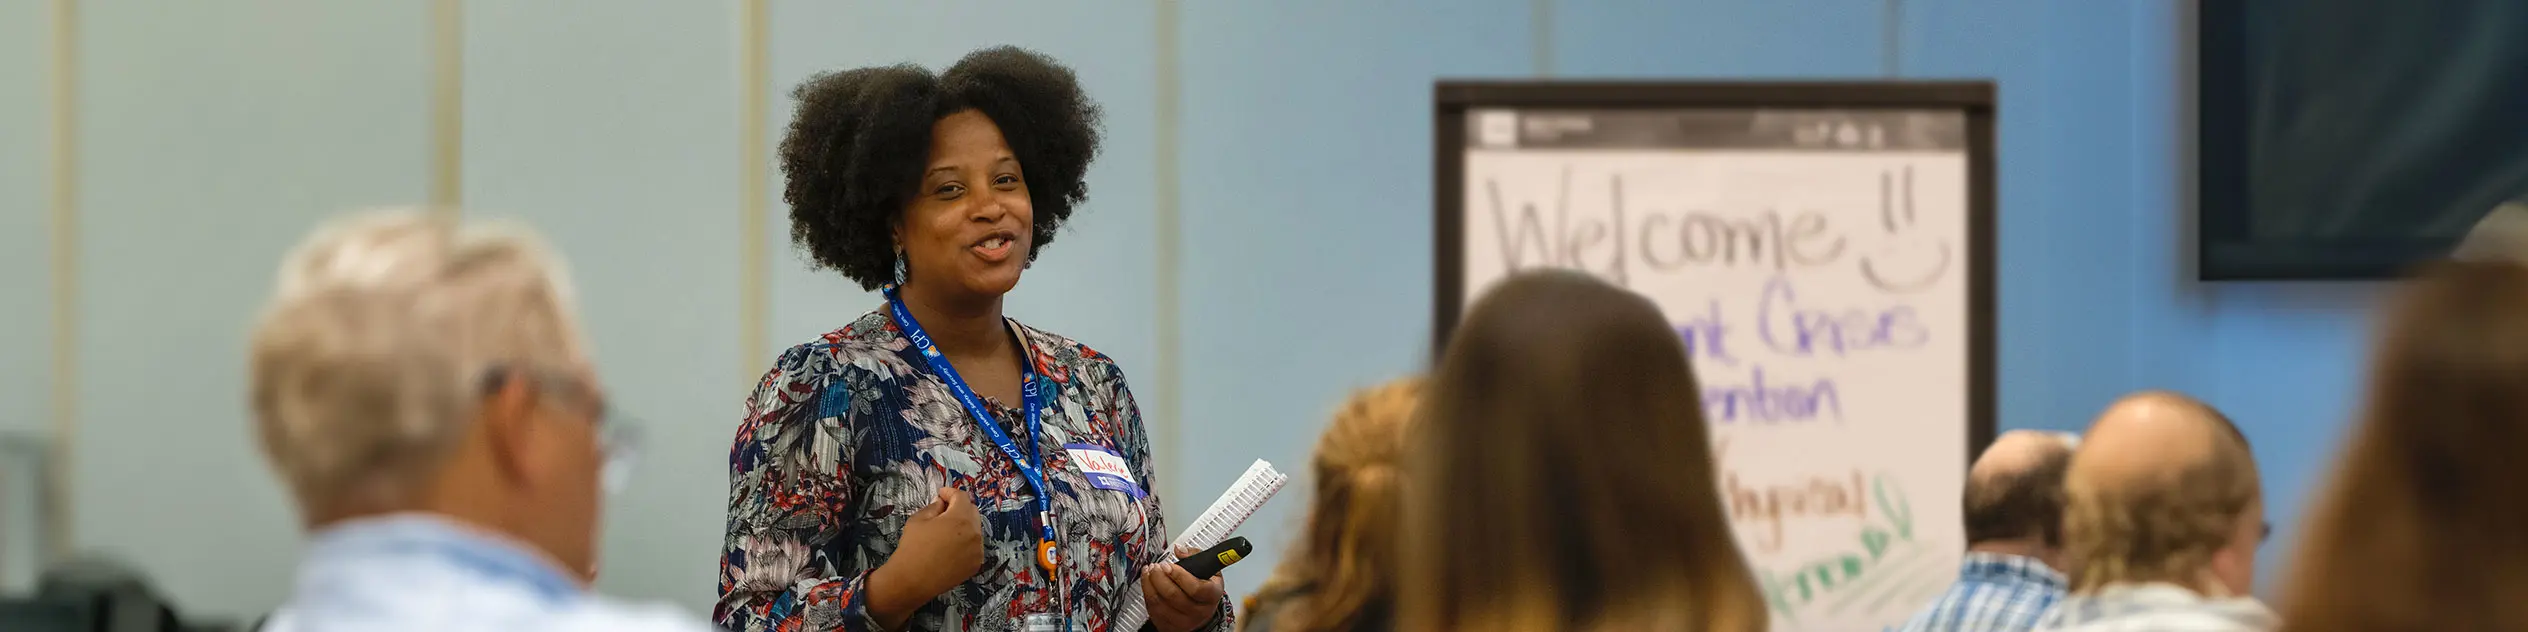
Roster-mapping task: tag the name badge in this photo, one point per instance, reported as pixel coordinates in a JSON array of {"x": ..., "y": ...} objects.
[
  {"x": 1041, "y": 622},
  {"x": 1105, "y": 469}
]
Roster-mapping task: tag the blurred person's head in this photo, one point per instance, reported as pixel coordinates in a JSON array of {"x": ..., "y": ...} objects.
[
  {"x": 2014, "y": 495},
  {"x": 410, "y": 364},
  {"x": 1341, "y": 576},
  {"x": 2501, "y": 235},
  {"x": 2425, "y": 525},
  {"x": 1561, "y": 476},
  {"x": 2163, "y": 488}
]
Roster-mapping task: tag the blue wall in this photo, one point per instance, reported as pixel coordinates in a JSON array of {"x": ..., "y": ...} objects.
[
  {"x": 1297, "y": 291},
  {"x": 210, "y": 139},
  {"x": 551, "y": 90},
  {"x": 2097, "y": 289}
]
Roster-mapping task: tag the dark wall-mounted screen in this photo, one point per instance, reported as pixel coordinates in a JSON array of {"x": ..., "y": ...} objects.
[{"x": 2351, "y": 138}]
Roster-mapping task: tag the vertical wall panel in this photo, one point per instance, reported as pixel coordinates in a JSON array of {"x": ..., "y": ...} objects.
[
  {"x": 214, "y": 136},
  {"x": 26, "y": 65},
  {"x": 2004, "y": 41},
  {"x": 1307, "y": 221},
  {"x": 613, "y": 127},
  {"x": 26, "y": 273}
]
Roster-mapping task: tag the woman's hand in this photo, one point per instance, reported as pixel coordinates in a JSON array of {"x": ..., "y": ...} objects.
[
  {"x": 941, "y": 548},
  {"x": 1177, "y": 601}
]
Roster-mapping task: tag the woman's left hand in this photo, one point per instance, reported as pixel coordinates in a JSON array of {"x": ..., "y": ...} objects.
[{"x": 1177, "y": 601}]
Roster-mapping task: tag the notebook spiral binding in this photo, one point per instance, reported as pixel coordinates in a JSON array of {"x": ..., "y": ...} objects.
[{"x": 1231, "y": 509}]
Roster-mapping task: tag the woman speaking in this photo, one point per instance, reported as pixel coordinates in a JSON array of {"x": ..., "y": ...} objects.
[{"x": 934, "y": 465}]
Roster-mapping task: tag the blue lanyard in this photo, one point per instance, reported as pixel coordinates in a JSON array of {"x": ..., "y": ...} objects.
[{"x": 1027, "y": 464}]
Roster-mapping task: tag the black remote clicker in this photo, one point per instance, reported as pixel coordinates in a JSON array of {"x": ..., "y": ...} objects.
[{"x": 1209, "y": 562}]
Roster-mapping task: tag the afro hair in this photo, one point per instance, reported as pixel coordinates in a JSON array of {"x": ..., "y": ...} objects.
[{"x": 855, "y": 150}]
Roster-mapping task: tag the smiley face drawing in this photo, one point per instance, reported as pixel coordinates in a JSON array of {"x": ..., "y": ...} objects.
[{"x": 1905, "y": 262}]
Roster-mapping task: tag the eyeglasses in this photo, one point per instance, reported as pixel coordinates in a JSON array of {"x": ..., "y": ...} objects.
[{"x": 619, "y": 434}]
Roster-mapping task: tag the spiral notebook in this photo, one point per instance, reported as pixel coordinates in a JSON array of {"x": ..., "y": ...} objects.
[{"x": 1231, "y": 509}]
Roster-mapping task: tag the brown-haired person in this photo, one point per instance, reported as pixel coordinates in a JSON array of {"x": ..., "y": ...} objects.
[
  {"x": 2424, "y": 526},
  {"x": 2164, "y": 515},
  {"x": 1341, "y": 576},
  {"x": 2014, "y": 538},
  {"x": 1560, "y": 475}
]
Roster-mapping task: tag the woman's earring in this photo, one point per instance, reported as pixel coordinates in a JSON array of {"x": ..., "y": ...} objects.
[{"x": 901, "y": 271}]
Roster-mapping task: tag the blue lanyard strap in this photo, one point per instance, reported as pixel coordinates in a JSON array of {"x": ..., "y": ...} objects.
[{"x": 1028, "y": 464}]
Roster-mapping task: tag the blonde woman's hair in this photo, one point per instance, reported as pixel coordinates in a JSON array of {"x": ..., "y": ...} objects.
[
  {"x": 1561, "y": 476},
  {"x": 370, "y": 355},
  {"x": 1341, "y": 576}
]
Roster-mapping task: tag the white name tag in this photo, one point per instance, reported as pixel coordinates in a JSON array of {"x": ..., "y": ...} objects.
[{"x": 1105, "y": 469}]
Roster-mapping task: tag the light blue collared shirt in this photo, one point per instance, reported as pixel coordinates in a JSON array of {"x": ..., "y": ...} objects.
[
  {"x": 2157, "y": 606},
  {"x": 1994, "y": 593},
  {"x": 414, "y": 572}
]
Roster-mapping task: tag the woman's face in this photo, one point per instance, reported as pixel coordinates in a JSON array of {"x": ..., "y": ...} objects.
[{"x": 968, "y": 230}]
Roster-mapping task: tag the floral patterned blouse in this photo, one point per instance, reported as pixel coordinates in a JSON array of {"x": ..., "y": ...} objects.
[{"x": 847, "y": 436}]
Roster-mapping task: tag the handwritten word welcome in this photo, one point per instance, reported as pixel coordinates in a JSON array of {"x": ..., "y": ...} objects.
[
  {"x": 1610, "y": 243},
  {"x": 1617, "y": 240}
]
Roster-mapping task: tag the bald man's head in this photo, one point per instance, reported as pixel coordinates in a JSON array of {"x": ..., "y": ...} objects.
[
  {"x": 2163, "y": 488},
  {"x": 2148, "y": 436},
  {"x": 2501, "y": 235},
  {"x": 2014, "y": 492}
]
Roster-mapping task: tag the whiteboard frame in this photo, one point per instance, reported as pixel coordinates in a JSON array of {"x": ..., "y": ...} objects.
[{"x": 1976, "y": 99}]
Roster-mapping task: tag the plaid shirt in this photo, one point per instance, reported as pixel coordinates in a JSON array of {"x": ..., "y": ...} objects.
[{"x": 1994, "y": 593}]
